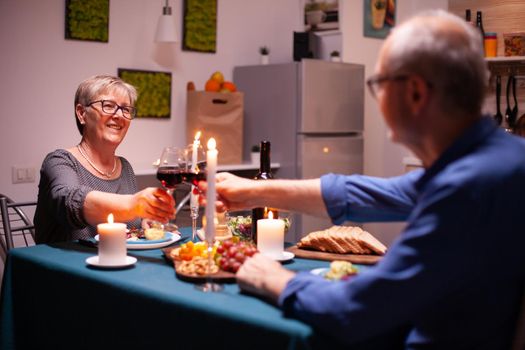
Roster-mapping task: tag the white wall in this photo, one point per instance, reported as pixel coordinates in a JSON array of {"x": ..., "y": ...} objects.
[
  {"x": 40, "y": 71},
  {"x": 382, "y": 157}
]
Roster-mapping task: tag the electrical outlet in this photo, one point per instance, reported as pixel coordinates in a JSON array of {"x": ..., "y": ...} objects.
[{"x": 22, "y": 174}]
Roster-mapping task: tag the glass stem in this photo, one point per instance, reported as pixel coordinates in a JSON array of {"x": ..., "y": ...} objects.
[
  {"x": 194, "y": 214},
  {"x": 171, "y": 226}
]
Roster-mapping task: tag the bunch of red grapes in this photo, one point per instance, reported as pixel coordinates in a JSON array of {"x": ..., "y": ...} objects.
[{"x": 231, "y": 255}]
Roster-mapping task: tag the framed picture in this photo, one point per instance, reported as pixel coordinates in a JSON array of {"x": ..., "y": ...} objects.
[
  {"x": 154, "y": 92},
  {"x": 199, "y": 31},
  {"x": 321, "y": 15},
  {"x": 380, "y": 17},
  {"x": 87, "y": 20}
]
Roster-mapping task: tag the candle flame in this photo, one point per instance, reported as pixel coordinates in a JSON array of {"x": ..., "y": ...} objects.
[
  {"x": 212, "y": 144},
  {"x": 110, "y": 218},
  {"x": 270, "y": 215},
  {"x": 197, "y": 136}
]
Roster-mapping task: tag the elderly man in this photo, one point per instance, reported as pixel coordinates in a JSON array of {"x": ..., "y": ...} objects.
[{"x": 454, "y": 277}]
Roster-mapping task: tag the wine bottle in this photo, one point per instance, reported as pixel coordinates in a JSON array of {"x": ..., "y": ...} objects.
[
  {"x": 265, "y": 173},
  {"x": 468, "y": 17},
  {"x": 479, "y": 25}
]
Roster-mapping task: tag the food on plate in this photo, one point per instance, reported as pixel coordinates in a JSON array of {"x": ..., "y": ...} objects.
[
  {"x": 190, "y": 250},
  {"x": 197, "y": 266},
  {"x": 241, "y": 226},
  {"x": 153, "y": 234},
  {"x": 340, "y": 270},
  {"x": 231, "y": 254},
  {"x": 343, "y": 240}
]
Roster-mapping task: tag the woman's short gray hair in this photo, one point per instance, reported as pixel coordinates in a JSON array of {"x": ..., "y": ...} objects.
[
  {"x": 448, "y": 53},
  {"x": 89, "y": 89}
]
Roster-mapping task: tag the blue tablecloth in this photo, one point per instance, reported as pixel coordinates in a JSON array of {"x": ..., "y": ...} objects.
[{"x": 52, "y": 299}]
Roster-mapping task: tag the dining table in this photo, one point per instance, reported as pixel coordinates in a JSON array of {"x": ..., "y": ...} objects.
[{"x": 51, "y": 298}]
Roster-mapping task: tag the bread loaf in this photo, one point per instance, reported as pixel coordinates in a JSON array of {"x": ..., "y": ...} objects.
[{"x": 342, "y": 240}]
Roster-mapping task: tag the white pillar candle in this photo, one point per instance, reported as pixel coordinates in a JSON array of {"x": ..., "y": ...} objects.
[
  {"x": 112, "y": 242},
  {"x": 194, "y": 157},
  {"x": 211, "y": 170},
  {"x": 270, "y": 236}
]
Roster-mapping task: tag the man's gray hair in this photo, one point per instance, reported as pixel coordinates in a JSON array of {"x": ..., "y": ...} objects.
[
  {"x": 92, "y": 87},
  {"x": 447, "y": 52}
]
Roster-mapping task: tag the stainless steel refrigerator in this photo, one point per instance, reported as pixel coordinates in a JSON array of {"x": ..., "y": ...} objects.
[{"x": 312, "y": 112}]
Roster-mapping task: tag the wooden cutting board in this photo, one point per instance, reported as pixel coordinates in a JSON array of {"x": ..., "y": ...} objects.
[
  {"x": 317, "y": 255},
  {"x": 220, "y": 276}
]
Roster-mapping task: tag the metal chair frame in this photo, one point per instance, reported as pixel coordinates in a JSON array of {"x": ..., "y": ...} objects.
[{"x": 11, "y": 212}]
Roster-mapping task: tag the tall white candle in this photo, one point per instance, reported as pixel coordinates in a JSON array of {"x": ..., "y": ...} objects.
[
  {"x": 270, "y": 236},
  {"x": 211, "y": 170},
  {"x": 194, "y": 153},
  {"x": 112, "y": 242}
]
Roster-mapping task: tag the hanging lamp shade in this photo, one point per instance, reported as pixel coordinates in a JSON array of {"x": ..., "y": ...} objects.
[{"x": 166, "y": 31}]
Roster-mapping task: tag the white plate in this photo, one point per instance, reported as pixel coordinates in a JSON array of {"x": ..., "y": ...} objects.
[
  {"x": 320, "y": 271},
  {"x": 93, "y": 261},
  {"x": 286, "y": 256},
  {"x": 175, "y": 236}
]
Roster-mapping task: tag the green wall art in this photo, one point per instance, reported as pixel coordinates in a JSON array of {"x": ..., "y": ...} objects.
[
  {"x": 154, "y": 92},
  {"x": 87, "y": 20},
  {"x": 200, "y": 25}
]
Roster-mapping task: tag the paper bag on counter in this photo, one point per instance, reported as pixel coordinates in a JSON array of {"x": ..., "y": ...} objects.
[{"x": 217, "y": 115}]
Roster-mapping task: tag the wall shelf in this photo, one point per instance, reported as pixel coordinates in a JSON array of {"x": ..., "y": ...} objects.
[{"x": 506, "y": 65}]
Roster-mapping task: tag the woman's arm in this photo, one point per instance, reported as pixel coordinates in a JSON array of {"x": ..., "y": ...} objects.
[{"x": 151, "y": 203}]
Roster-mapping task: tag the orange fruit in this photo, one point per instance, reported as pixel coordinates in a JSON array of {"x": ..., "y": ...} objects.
[
  {"x": 212, "y": 86},
  {"x": 228, "y": 85}
]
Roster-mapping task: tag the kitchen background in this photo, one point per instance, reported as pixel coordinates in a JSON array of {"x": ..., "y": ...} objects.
[{"x": 40, "y": 71}]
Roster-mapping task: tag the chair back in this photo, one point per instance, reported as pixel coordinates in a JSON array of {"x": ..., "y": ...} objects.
[{"x": 15, "y": 223}]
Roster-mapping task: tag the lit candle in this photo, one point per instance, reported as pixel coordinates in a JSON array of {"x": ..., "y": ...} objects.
[
  {"x": 112, "y": 242},
  {"x": 194, "y": 202},
  {"x": 270, "y": 236},
  {"x": 211, "y": 170}
]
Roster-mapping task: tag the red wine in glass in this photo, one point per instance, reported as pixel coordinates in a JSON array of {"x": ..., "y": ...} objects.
[
  {"x": 169, "y": 176},
  {"x": 193, "y": 178}
]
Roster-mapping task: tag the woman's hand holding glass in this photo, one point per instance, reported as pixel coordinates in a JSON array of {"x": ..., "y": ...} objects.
[{"x": 154, "y": 204}]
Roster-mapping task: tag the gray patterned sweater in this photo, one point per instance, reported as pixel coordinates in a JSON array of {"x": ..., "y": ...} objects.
[{"x": 64, "y": 185}]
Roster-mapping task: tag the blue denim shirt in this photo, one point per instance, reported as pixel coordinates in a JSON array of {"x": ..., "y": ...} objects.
[{"x": 454, "y": 277}]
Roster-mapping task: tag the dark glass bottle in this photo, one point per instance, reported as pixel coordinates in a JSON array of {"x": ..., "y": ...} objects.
[
  {"x": 479, "y": 25},
  {"x": 468, "y": 16},
  {"x": 265, "y": 173}
]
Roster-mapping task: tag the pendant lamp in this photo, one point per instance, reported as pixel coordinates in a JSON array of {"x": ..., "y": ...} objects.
[{"x": 166, "y": 31}]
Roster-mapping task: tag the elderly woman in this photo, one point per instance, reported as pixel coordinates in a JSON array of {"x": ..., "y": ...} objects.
[{"x": 81, "y": 185}]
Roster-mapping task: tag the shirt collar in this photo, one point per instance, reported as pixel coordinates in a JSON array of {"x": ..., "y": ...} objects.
[{"x": 463, "y": 145}]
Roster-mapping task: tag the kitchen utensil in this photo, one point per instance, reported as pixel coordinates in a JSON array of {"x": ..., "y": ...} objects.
[
  {"x": 498, "y": 116},
  {"x": 508, "y": 111},
  {"x": 515, "y": 108}
]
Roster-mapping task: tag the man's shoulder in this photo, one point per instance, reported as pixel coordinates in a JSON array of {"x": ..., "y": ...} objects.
[{"x": 497, "y": 162}]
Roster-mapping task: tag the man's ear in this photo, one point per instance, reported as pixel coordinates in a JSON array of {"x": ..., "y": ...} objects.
[
  {"x": 80, "y": 111},
  {"x": 417, "y": 93}
]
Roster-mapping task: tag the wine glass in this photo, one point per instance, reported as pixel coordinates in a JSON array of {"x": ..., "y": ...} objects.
[
  {"x": 169, "y": 174},
  {"x": 193, "y": 169}
]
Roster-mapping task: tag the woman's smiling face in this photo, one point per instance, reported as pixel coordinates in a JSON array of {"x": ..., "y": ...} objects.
[{"x": 103, "y": 127}]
